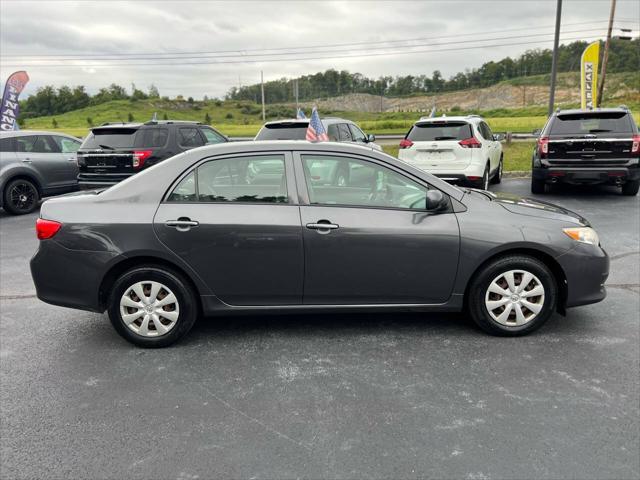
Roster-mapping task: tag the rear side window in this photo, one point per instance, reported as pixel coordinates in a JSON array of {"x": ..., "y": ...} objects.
[
  {"x": 110, "y": 138},
  {"x": 26, "y": 143},
  {"x": 259, "y": 179},
  {"x": 434, "y": 131},
  {"x": 591, "y": 123},
  {"x": 6, "y": 145},
  {"x": 283, "y": 131},
  {"x": 189, "y": 138},
  {"x": 154, "y": 137}
]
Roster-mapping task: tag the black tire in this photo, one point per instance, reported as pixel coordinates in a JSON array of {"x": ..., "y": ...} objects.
[
  {"x": 186, "y": 299},
  {"x": 497, "y": 178},
  {"x": 20, "y": 197},
  {"x": 483, "y": 183},
  {"x": 631, "y": 187},
  {"x": 478, "y": 290},
  {"x": 538, "y": 186}
]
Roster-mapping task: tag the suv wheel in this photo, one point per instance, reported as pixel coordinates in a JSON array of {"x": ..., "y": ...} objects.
[
  {"x": 498, "y": 177},
  {"x": 484, "y": 181},
  {"x": 20, "y": 196},
  {"x": 152, "y": 307},
  {"x": 537, "y": 186},
  {"x": 512, "y": 296},
  {"x": 631, "y": 187}
]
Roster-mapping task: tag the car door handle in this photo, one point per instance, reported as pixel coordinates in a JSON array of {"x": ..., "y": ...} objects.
[
  {"x": 322, "y": 226},
  {"x": 27, "y": 160},
  {"x": 182, "y": 224}
]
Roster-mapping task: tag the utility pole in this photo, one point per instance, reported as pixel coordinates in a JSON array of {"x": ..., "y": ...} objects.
[
  {"x": 605, "y": 56},
  {"x": 554, "y": 61},
  {"x": 264, "y": 116}
]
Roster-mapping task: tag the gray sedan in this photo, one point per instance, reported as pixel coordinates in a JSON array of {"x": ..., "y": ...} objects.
[
  {"x": 34, "y": 164},
  {"x": 265, "y": 227}
]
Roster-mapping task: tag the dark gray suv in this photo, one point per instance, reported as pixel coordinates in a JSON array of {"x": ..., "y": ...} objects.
[
  {"x": 34, "y": 164},
  {"x": 263, "y": 227}
]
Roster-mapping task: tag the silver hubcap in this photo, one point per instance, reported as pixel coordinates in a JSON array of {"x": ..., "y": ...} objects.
[
  {"x": 149, "y": 309},
  {"x": 514, "y": 298}
]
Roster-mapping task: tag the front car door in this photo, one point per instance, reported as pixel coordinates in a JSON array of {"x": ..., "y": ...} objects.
[
  {"x": 369, "y": 239},
  {"x": 234, "y": 220},
  {"x": 67, "y": 159}
]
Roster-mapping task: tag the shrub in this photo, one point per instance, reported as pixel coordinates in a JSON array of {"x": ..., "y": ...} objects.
[{"x": 229, "y": 116}]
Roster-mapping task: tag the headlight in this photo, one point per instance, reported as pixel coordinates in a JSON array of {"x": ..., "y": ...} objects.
[{"x": 583, "y": 234}]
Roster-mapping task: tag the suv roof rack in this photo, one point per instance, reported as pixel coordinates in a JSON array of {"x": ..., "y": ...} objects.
[
  {"x": 171, "y": 122},
  {"x": 624, "y": 107},
  {"x": 104, "y": 124}
]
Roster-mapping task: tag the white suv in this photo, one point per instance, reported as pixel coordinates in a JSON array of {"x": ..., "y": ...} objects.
[{"x": 456, "y": 149}]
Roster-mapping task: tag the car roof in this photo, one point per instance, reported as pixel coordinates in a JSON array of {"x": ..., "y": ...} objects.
[
  {"x": 24, "y": 133},
  {"x": 459, "y": 118},
  {"x": 325, "y": 120}
]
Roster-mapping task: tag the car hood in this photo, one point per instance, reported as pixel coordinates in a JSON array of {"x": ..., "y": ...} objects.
[{"x": 534, "y": 208}]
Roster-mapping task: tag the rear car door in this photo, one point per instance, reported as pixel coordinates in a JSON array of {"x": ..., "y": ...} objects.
[
  {"x": 234, "y": 220},
  {"x": 368, "y": 239},
  {"x": 493, "y": 147}
]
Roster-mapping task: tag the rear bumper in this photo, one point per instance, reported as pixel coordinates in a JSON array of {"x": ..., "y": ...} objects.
[
  {"x": 586, "y": 268},
  {"x": 93, "y": 180},
  {"x": 586, "y": 175}
]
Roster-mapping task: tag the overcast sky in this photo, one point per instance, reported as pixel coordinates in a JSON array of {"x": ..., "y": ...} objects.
[{"x": 88, "y": 27}]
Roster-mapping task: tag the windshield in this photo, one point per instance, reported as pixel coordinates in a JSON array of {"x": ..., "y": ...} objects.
[
  {"x": 283, "y": 131},
  {"x": 591, "y": 123},
  {"x": 434, "y": 131},
  {"x": 110, "y": 138}
]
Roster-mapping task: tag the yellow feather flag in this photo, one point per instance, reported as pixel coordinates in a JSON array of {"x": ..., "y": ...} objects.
[{"x": 589, "y": 75}]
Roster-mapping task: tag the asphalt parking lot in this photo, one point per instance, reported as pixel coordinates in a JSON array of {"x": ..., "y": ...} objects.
[{"x": 341, "y": 396}]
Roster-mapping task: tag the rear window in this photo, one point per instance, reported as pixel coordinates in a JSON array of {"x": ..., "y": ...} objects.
[
  {"x": 591, "y": 123},
  {"x": 110, "y": 138},
  {"x": 283, "y": 131},
  {"x": 434, "y": 131}
]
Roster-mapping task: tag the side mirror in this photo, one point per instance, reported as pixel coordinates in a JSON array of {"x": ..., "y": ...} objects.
[
  {"x": 371, "y": 138},
  {"x": 498, "y": 137},
  {"x": 536, "y": 132},
  {"x": 436, "y": 201}
]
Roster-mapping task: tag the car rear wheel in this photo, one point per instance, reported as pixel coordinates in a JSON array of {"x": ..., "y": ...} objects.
[
  {"x": 631, "y": 188},
  {"x": 498, "y": 176},
  {"x": 483, "y": 183},
  {"x": 537, "y": 186},
  {"x": 21, "y": 196},
  {"x": 152, "y": 307},
  {"x": 512, "y": 296}
]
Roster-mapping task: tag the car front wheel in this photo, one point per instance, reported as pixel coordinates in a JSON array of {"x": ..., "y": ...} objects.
[
  {"x": 152, "y": 306},
  {"x": 512, "y": 296}
]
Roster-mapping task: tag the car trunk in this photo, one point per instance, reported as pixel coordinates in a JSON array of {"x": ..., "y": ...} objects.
[
  {"x": 108, "y": 150},
  {"x": 436, "y": 146}
]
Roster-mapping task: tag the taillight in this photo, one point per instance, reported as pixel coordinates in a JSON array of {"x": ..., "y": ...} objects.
[
  {"x": 635, "y": 146},
  {"x": 46, "y": 228},
  {"x": 405, "y": 143},
  {"x": 471, "y": 142},
  {"x": 543, "y": 146},
  {"x": 139, "y": 156}
]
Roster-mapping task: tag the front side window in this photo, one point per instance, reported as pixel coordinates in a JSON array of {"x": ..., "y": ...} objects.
[
  {"x": 351, "y": 182},
  {"x": 358, "y": 135},
  {"x": 67, "y": 145},
  {"x": 259, "y": 179},
  {"x": 211, "y": 136},
  {"x": 189, "y": 138}
]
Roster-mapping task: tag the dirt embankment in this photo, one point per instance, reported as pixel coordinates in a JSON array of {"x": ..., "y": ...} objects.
[{"x": 496, "y": 96}]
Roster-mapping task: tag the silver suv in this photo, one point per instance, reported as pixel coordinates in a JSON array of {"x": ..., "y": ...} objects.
[{"x": 35, "y": 164}]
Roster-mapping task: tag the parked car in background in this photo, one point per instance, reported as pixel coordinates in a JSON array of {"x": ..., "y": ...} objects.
[
  {"x": 113, "y": 152},
  {"x": 459, "y": 150},
  {"x": 35, "y": 164},
  {"x": 588, "y": 147},
  {"x": 258, "y": 227},
  {"x": 338, "y": 130}
]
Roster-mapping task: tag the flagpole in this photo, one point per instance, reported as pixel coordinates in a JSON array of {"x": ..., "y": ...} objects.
[{"x": 264, "y": 116}]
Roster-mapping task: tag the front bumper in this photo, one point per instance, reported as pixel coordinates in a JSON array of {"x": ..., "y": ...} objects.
[
  {"x": 586, "y": 268},
  {"x": 586, "y": 175}
]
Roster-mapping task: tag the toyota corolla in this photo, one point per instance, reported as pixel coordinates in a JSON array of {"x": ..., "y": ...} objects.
[{"x": 299, "y": 227}]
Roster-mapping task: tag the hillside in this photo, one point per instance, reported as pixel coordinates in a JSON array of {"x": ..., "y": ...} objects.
[{"x": 517, "y": 105}]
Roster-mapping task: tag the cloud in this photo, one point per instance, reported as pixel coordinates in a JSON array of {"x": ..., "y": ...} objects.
[{"x": 64, "y": 27}]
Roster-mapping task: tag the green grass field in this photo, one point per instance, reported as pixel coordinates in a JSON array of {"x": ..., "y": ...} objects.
[{"x": 517, "y": 155}]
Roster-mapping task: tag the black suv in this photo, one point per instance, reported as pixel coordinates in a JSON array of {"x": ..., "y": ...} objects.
[
  {"x": 113, "y": 152},
  {"x": 588, "y": 147}
]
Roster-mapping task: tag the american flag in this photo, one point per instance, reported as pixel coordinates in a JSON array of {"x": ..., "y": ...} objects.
[{"x": 316, "y": 131}]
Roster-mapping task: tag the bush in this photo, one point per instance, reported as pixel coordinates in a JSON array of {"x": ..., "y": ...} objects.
[
  {"x": 130, "y": 117},
  {"x": 229, "y": 116},
  {"x": 90, "y": 121},
  {"x": 54, "y": 123},
  {"x": 207, "y": 119},
  {"x": 164, "y": 116}
]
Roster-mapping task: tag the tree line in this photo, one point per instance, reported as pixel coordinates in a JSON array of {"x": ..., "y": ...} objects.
[{"x": 624, "y": 56}]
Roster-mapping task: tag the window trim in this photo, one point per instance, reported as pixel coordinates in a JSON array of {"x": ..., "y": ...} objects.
[
  {"x": 292, "y": 193},
  {"x": 303, "y": 193}
]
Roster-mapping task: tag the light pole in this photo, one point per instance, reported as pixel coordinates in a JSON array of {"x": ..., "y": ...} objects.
[{"x": 554, "y": 61}]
